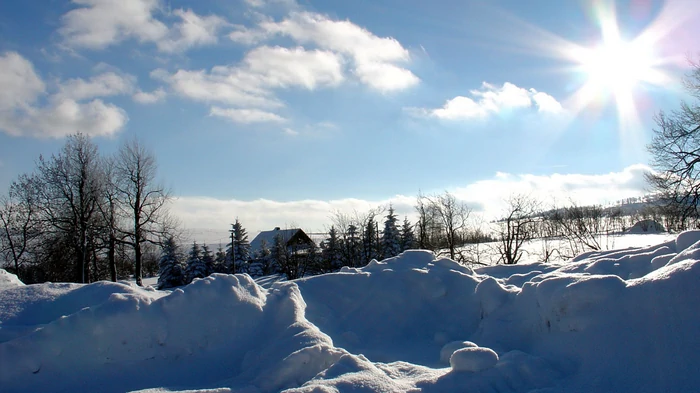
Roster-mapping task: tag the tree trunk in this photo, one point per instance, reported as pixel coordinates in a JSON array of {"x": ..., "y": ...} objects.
[
  {"x": 137, "y": 256},
  {"x": 111, "y": 258}
]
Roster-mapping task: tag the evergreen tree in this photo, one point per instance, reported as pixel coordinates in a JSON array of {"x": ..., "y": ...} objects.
[
  {"x": 170, "y": 271},
  {"x": 408, "y": 239},
  {"x": 208, "y": 259},
  {"x": 220, "y": 260},
  {"x": 331, "y": 252},
  {"x": 239, "y": 249},
  {"x": 390, "y": 237},
  {"x": 195, "y": 265},
  {"x": 262, "y": 264},
  {"x": 313, "y": 259},
  {"x": 351, "y": 247},
  {"x": 370, "y": 246},
  {"x": 282, "y": 258}
]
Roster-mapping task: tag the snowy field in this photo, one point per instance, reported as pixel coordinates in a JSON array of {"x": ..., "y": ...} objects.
[{"x": 614, "y": 321}]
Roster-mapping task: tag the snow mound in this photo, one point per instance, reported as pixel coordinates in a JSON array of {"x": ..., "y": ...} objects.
[
  {"x": 224, "y": 320},
  {"x": 646, "y": 226},
  {"x": 9, "y": 280},
  {"x": 450, "y": 348},
  {"x": 473, "y": 359},
  {"x": 607, "y": 321},
  {"x": 413, "y": 297}
]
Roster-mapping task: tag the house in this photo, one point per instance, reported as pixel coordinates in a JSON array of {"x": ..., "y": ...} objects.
[{"x": 295, "y": 239}]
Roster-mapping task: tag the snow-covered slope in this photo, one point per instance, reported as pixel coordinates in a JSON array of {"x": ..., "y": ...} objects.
[{"x": 615, "y": 321}]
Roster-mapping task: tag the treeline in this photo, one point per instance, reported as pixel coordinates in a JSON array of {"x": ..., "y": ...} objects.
[
  {"x": 359, "y": 240},
  {"x": 81, "y": 216}
]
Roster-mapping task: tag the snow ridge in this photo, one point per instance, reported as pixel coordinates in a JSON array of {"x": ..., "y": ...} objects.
[{"x": 623, "y": 321}]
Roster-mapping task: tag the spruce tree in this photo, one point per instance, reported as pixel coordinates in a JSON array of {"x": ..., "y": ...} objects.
[
  {"x": 330, "y": 252},
  {"x": 408, "y": 239},
  {"x": 239, "y": 249},
  {"x": 220, "y": 260},
  {"x": 170, "y": 271},
  {"x": 195, "y": 265},
  {"x": 282, "y": 259},
  {"x": 262, "y": 264},
  {"x": 352, "y": 247},
  {"x": 208, "y": 259},
  {"x": 390, "y": 236},
  {"x": 369, "y": 241},
  {"x": 313, "y": 259}
]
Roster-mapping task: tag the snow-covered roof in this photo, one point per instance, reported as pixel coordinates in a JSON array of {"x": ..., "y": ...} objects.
[{"x": 269, "y": 237}]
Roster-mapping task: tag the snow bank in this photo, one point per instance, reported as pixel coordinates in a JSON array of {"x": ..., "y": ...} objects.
[
  {"x": 216, "y": 328},
  {"x": 622, "y": 321},
  {"x": 9, "y": 280}
]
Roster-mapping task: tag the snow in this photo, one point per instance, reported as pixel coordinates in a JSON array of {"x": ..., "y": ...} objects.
[
  {"x": 621, "y": 320},
  {"x": 473, "y": 359},
  {"x": 9, "y": 280}
]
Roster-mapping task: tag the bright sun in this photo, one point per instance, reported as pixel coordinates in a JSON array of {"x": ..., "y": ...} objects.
[{"x": 617, "y": 66}]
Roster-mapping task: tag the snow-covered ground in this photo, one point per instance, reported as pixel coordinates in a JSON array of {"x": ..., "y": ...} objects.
[{"x": 613, "y": 321}]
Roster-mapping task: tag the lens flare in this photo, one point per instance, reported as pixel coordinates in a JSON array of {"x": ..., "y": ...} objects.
[{"x": 616, "y": 69}]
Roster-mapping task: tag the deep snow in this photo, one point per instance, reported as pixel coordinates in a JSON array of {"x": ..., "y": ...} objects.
[{"x": 613, "y": 321}]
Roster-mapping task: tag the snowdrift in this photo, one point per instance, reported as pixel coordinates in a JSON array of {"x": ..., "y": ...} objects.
[{"x": 622, "y": 321}]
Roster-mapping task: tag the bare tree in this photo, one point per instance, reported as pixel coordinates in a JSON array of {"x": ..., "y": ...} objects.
[
  {"x": 675, "y": 150},
  {"x": 517, "y": 227},
  {"x": 142, "y": 200},
  {"x": 428, "y": 227},
  {"x": 69, "y": 195},
  {"x": 19, "y": 224},
  {"x": 109, "y": 211},
  {"x": 448, "y": 214}
]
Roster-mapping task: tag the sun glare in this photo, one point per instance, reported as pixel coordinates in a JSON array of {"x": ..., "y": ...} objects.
[{"x": 617, "y": 67}]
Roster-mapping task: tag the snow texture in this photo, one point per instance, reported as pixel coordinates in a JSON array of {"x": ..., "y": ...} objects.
[
  {"x": 610, "y": 321},
  {"x": 473, "y": 359},
  {"x": 9, "y": 280}
]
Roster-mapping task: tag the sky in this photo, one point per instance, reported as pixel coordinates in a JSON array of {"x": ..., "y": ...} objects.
[{"x": 280, "y": 112}]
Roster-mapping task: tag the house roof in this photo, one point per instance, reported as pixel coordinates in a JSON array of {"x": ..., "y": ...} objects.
[{"x": 269, "y": 237}]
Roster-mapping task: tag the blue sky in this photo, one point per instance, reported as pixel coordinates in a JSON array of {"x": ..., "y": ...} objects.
[{"x": 278, "y": 111}]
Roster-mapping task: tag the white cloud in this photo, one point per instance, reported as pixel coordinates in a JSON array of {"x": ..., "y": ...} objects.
[
  {"x": 263, "y": 3},
  {"x": 66, "y": 116},
  {"x": 291, "y": 132},
  {"x": 385, "y": 77},
  {"x": 545, "y": 102},
  {"x": 374, "y": 59},
  {"x": 103, "y": 85},
  {"x": 221, "y": 84},
  {"x": 250, "y": 85},
  {"x": 21, "y": 86},
  {"x": 63, "y": 114},
  {"x": 143, "y": 97},
  {"x": 192, "y": 30},
  {"x": 210, "y": 218},
  {"x": 490, "y": 99},
  {"x": 97, "y": 24},
  {"x": 557, "y": 188},
  {"x": 246, "y": 116},
  {"x": 283, "y": 67}
]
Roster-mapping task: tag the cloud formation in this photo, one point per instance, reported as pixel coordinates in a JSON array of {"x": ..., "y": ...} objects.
[
  {"x": 143, "y": 97},
  {"x": 97, "y": 24},
  {"x": 491, "y": 100},
  {"x": 74, "y": 107},
  {"x": 376, "y": 61},
  {"x": 208, "y": 219},
  {"x": 249, "y": 86},
  {"x": 246, "y": 116}
]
